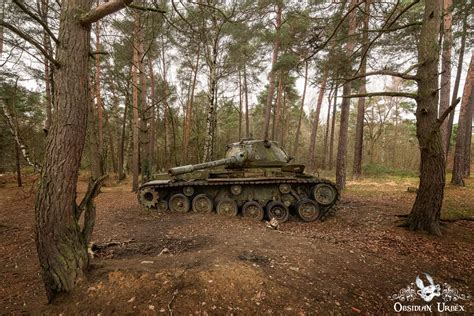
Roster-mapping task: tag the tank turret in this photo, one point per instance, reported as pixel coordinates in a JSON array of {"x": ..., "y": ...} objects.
[{"x": 257, "y": 181}]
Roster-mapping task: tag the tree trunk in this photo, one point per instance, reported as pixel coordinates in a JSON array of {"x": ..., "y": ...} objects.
[
  {"x": 345, "y": 108},
  {"x": 247, "y": 120},
  {"x": 99, "y": 101},
  {"x": 467, "y": 146},
  {"x": 48, "y": 74},
  {"x": 211, "y": 110},
  {"x": 465, "y": 119},
  {"x": 136, "y": 128},
  {"x": 121, "y": 154},
  {"x": 456, "y": 83},
  {"x": 18, "y": 165},
  {"x": 333, "y": 129},
  {"x": 359, "y": 136},
  {"x": 144, "y": 113},
  {"x": 446, "y": 68},
  {"x": 326, "y": 133},
  {"x": 314, "y": 129},
  {"x": 240, "y": 104},
  {"x": 271, "y": 75},
  {"x": 152, "y": 125},
  {"x": 189, "y": 109},
  {"x": 95, "y": 158},
  {"x": 297, "y": 136},
  {"x": 426, "y": 210},
  {"x": 60, "y": 244},
  {"x": 277, "y": 114}
]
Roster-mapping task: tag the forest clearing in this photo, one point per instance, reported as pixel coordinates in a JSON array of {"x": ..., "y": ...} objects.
[
  {"x": 349, "y": 263},
  {"x": 236, "y": 156}
]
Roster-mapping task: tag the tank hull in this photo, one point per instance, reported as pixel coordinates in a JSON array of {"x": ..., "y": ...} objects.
[{"x": 259, "y": 198}]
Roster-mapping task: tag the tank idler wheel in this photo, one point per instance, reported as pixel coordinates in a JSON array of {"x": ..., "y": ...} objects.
[
  {"x": 253, "y": 210},
  {"x": 227, "y": 208},
  {"x": 202, "y": 204},
  {"x": 179, "y": 203},
  {"x": 325, "y": 194},
  {"x": 148, "y": 197},
  {"x": 277, "y": 210},
  {"x": 308, "y": 210},
  {"x": 162, "y": 206}
]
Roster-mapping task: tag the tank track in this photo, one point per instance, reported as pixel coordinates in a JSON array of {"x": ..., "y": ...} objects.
[{"x": 171, "y": 187}]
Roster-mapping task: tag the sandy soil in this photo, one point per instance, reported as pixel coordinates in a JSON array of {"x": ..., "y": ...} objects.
[{"x": 152, "y": 263}]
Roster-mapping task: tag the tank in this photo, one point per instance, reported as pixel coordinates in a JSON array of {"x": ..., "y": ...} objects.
[{"x": 255, "y": 179}]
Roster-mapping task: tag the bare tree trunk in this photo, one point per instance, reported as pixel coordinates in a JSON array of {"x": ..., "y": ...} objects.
[
  {"x": 359, "y": 137},
  {"x": 467, "y": 146},
  {"x": 60, "y": 245},
  {"x": 95, "y": 158},
  {"x": 247, "y": 120},
  {"x": 465, "y": 119},
  {"x": 240, "y": 104},
  {"x": 333, "y": 129},
  {"x": 18, "y": 165},
  {"x": 48, "y": 74},
  {"x": 277, "y": 114},
  {"x": 189, "y": 109},
  {"x": 136, "y": 128},
  {"x": 153, "y": 110},
  {"x": 315, "y": 125},
  {"x": 326, "y": 132},
  {"x": 425, "y": 214},
  {"x": 98, "y": 99},
  {"x": 144, "y": 113},
  {"x": 271, "y": 75},
  {"x": 456, "y": 82},
  {"x": 345, "y": 107},
  {"x": 121, "y": 154},
  {"x": 298, "y": 128},
  {"x": 446, "y": 68},
  {"x": 211, "y": 110}
]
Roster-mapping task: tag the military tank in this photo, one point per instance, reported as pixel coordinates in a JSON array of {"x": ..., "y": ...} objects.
[{"x": 255, "y": 179}]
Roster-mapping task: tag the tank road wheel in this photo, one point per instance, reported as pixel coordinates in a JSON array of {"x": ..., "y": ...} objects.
[
  {"x": 227, "y": 208},
  {"x": 202, "y": 204},
  {"x": 253, "y": 210},
  {"x": 325, "y": 194},
  {"x": 277, "y": 210},
  {"x": 162, "y": 206},
  {"x": 148, "y": 197},
  {"x": 307, "y": 209},
  {"x": 179, "y": 203}
]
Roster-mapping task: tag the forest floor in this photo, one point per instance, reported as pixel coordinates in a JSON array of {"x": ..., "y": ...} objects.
[{"x": 153, "y": 263}]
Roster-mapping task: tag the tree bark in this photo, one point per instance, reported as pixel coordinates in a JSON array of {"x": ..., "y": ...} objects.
[
  {"x": 465, "y": 119},
  {"x": 456, "y": 83},
  {"x": 136, "y": 127},
  {"x": 326, "y": 132},
  {"x": 446, "y": 68},
  {"x": 94, "y": 153},
  {"x": 18, "y": 165},
  {"x": 467, "y": 146},
  {"x": 99, "y": 102},
  {"x": 277, "y": 114},
  {"x": 121, "y": 154},
  {"x": 271, "y": 75},
  {"x": 48, "y": 68},
  {"x": 152, "y": 120},
  {"x": 61, "y": 248},
  {"x": 333, "y": 129},
  {"x": 345, "y": 107},
  {"x": 425, "y": 214},
  {"x": 189, "y": 109},
  {"x": 298, "y": 128},
  {"x": 247, "y": 120},
  {"x": 359, "y": 136},
  {"x": 315, "y": 125}
]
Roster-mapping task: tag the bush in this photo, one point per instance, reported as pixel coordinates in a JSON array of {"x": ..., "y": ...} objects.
[{"x": 378, "y": 170}]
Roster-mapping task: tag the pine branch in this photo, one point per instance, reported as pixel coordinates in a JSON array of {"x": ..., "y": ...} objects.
[
  {"x": 23, "y": 8},
  {"x": 103, "y": 10},
  {"x": 446, "y": 112},
  {"x": 383, "y": 93},
  {"x": 30, "y": 40},
  {"x": 402, "y": 75}
]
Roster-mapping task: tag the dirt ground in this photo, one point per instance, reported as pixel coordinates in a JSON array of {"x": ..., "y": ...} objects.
[{"x": 152, "y": 263}]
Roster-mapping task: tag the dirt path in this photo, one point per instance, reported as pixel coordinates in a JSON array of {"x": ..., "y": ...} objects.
[{"x": 208, "y": 264}]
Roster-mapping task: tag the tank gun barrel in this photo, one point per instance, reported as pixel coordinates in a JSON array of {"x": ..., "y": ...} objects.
[{"x": 215, "y": 163}]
